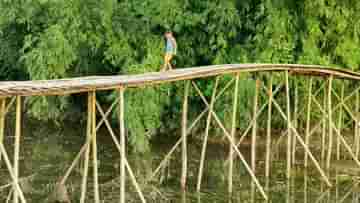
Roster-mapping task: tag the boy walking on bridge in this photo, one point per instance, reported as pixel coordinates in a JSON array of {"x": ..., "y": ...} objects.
[{"x": 170, "y": 50}]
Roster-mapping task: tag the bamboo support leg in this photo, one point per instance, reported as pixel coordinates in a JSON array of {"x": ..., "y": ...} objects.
[
  {"x": 208, "y": 122},
  {"x": 122, "y": 145},
  {"x": 288, "y": 153},
  {"x": 183, "y": 134},
  {"x": 254, "y": 130},
  {"x": 87, "y": 151},
  {"x": 323, "y": 130},
  {"x": 308, "y": 117},
  {"x": 340, "y": 122},
  {"x": 330, "y": 143},
  {"x": 94, "y": 148},
  {"x": 17, "y": 147},
  {"x": 233, "y": 131},
  {"x": 296, "y": 103},
  {"x": 2, "y": 122},
  {"x": 268, "y": 130}
]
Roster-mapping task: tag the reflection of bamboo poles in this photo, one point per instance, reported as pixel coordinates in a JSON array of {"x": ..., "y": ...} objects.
[
  {"x": 183, "y": 135},
  {"x": 330, "y": 143},
  {"x": 17, "y": 146},
  {"x": 268, "y": 129},
  {"x": 340, "y": 122},
  {"x": 254, "y": 129},
  {"x": 308, "y": 117},
  {"x": 233, "y": 131},
  {"x": 122, "y": 145},
  {"x": 288, "y": 152},
  {"x": 94, "y": 147},
  {"x": 207, "y": 128},
  {"x": 87, "y": 151}
]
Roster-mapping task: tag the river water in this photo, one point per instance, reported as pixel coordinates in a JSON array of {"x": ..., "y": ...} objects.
[{"x": 47, "y": 151}]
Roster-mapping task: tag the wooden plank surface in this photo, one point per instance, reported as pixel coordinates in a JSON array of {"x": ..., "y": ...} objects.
[{"x": 85, "y": 84}]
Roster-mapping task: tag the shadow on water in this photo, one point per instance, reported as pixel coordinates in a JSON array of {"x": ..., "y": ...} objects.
[{"x": 47, "y": 152}]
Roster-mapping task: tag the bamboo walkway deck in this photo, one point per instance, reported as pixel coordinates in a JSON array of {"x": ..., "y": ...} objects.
[{"x": 85, "y": 84}]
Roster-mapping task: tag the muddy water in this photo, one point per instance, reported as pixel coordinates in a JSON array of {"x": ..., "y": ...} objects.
[{"x": 47, "y": 152}]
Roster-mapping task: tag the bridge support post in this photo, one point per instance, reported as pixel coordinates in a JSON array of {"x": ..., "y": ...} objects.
[
  {"x": 207, "y": 128},
  {"x": 330, "y": 143},
  {"x": 268, "y": 129},
  {"x": 122, "y": 145},
  {"x": 184, "y": 135},
  {"x": 289, "y": 134},
  {"x": 295, "y": 119},
  {"x": 254, "y": 129},
  {"x": 233, "y": 131},
  {"x": 94, "y": 147},
  {"x": 308, "y": 117},
  {"x": 17, "y": 147},
  {"x": 87, "y": 149},
  {"x": 340, "y": 122}
]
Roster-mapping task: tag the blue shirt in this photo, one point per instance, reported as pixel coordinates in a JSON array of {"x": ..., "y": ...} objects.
[{"x": 170, "y": 47}]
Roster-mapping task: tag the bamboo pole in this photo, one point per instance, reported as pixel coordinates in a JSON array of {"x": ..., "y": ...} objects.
[
  {"x": 340, "y": 122},
  {"x": 308, "y": 117},
  {"x": 2, "y": 122},
  {"x": 117, "y": 144},
  {"x": 17, "y": 147},
  {"x": 183, "y": 134},
  {"x": 87, "y": 151},
  {"x": 207, "y": 128},
  {"x": 288, "y": 153},
  {"x": 122, "y": 145},
  {"x": 268, "y": 130},
  {"x": 254, "y": 129},
  {"x": 208, "y": 122},
  {"x": 233, "y": 131},
  {"x": 330, "y": 143},
  {"x": 296, "y": 103},
  {"x": 323, "y": 130},
  {"x": 94, "y": 148}
]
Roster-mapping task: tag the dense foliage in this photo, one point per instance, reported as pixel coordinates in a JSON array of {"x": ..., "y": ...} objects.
[{"x": 49, "y": 39}]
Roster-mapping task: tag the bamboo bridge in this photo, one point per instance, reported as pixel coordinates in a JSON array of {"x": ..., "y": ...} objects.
[{"x": 13, "y": 92}]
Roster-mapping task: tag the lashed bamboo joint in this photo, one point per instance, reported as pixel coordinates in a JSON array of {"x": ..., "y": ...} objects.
[{"x": 91, "y": 85}]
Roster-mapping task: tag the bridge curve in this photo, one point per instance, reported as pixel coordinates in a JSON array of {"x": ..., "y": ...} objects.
[{"x": 86, "y": 84}]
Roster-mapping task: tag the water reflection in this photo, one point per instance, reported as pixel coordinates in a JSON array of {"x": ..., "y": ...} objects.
[{"x": 47, "y": 164}]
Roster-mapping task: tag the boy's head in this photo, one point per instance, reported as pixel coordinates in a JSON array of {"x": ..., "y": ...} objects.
[{"x": 168, "y": 34}]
